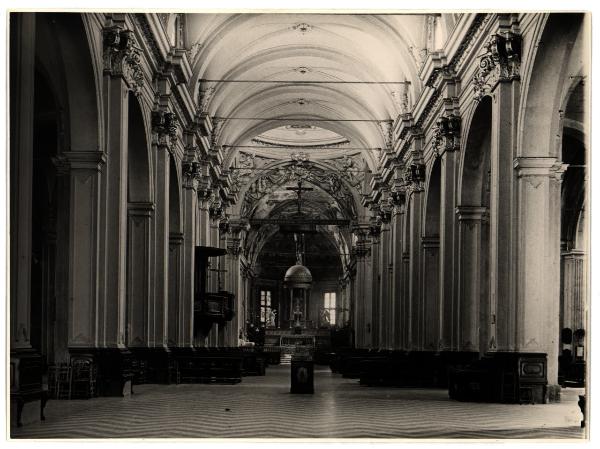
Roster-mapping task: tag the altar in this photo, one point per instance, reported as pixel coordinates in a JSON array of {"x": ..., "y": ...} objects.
[{"x": 298, "y": 282}]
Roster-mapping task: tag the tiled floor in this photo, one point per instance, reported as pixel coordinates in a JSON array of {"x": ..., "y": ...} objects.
[{"x": 262, "y": 407}]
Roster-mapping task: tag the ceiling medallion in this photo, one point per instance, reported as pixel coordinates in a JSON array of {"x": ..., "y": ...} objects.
[
  {"x": 299, "y": 127},
  {"x": 302, "y": 70},
  {"x": 301, "y": 101},
  {"x": 302, "y": 28}
]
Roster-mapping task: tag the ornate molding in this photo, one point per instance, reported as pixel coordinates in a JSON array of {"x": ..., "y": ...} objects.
[
  {"x": 387, "y": 133},
  {"x": 501, "y": 62},
  {"x": 122, "y": 56},
  {"x": 302, "y": 28},
  {"x": 459, "y": 56},
  {"x": 216, "y": 211},
  {"x": 472, "y": 213},
  {"x": 205, "y": 95},
  {"x": 530, "y": 167},
  {"x": 446, "y": 136},
  {"x": 300, "y": 168},
  {"x": 164, "y": 124},
  {"x": 268, "y": 143},
  {"x": 192, "y": 174},
  {"x": 414, "y": 177},
  {"x": 216, "y": 132}
]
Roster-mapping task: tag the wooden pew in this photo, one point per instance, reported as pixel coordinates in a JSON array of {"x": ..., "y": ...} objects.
[
  {"x": 505, "y": 377},
  {"x": 205, "y": 366}
]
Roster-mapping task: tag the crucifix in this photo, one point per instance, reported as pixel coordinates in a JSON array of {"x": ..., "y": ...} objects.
[{"x": 299, "y": 191}]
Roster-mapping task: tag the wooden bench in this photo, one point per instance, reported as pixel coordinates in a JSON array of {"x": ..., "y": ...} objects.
[
  {"x": 209, "y": 368},
  {"x": 505, "y": 377}
]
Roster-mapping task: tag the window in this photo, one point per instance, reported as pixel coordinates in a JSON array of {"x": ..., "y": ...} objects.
[
  {"x": 265, "y": 305},
  {"x": 329, "y": 306}
]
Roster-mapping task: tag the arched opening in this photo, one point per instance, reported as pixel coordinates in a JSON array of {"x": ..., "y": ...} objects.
[
  {"x": 552, "y": 118},
  {"x": 140, "y": 212},
  {"x": 573, "y": 291},
  {"x": 47, "y": 192},
  {"x": 431, "y": 252},
  {"x": 474, "y": 245},
  {"x": 273, "y": 312}
]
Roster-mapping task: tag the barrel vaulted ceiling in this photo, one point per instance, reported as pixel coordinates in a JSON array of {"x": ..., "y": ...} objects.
[{"x": 358, "y": 70}]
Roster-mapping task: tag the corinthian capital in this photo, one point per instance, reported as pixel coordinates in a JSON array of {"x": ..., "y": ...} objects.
[{"x": 122, "y": 57}]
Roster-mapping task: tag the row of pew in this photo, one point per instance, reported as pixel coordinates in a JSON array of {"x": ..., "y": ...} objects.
[
  {"x": 221, "y": 365},
  {"x": 505, "y": 377}
]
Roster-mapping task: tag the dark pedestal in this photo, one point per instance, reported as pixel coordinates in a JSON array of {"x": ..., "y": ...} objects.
[{"x": 302, "y": 376}]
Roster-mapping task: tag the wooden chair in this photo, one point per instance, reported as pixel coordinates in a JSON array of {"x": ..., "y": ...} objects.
[
  {"x": 83, "y": 377},
  {"x": 59, "y": 381}
]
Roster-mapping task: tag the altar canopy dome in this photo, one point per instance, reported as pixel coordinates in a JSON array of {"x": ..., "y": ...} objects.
[{"x": 298, "y": 276}]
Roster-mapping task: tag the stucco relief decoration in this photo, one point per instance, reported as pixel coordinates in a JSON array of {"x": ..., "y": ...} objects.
[
  {"x": 414, "y": 177},
  {"x": 192, "y": 173},
  {"x": 122, "y": 57},
  {"x": 349, "y": 169},
  {"x": 385, "y": 208},
  {"x": 246, "y": 166},
  {"x": 205, "y": 95},
  {"x": 401, "y": 99},
  {"x": 164, "y": 124},
  {"x": 216, "y": 210},
  {"x": 216, "y": 132},
  {"x": 302, "y": 70},
  {"x": 300, "y": 168},
  {"x": 500, "y": 62},
  {"x": 446, "y": 136},
  {"x": 398, "y": 195},
  {"x": 361, "y": 247},
  {"x": 302, "y": 28},
  {"x": 375, "y": 228}
]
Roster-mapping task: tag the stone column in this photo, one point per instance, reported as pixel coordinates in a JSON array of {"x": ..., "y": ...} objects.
[
  {"x": 574, "y": 294},
  {"x": 503, "y": 242},
  {"x": 175, "y": 303},
  {"x": 374, "y": 310},
  {"x": 159, "y": 307},
  {"x": 110, "y": 315},
  {"x": 396, "y": 227},
  {"x": 363, "y": 288},
  {"x": 385, "y": 322},
  {"x": 415, "y": 309},
  {"x": 122, "y": 75},
  {"x": 185, "y": 320},
  {"x": 233, "y": 281},
  {"x": 215, "y": 264},
  {"x": 430, "y": 288},
  {"x": 25, "y": 362},
  {"x": 473, "y": 298},
  {"x": 22, "y": 63},
  {"x": 405, "y": 322},
  {"x": 63, "y": 218},
  {"x": 538, "y": 260},
  {"x": 138, "y": 273},
  {"x": 447, "y": 275},
  {"x": 203, "y": 217}
]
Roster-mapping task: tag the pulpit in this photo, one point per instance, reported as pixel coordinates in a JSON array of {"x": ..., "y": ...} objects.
[{"x": 209, "y": 308}]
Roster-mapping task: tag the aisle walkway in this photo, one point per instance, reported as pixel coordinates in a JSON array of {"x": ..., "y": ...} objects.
[{"x": 261, "y": 407}]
